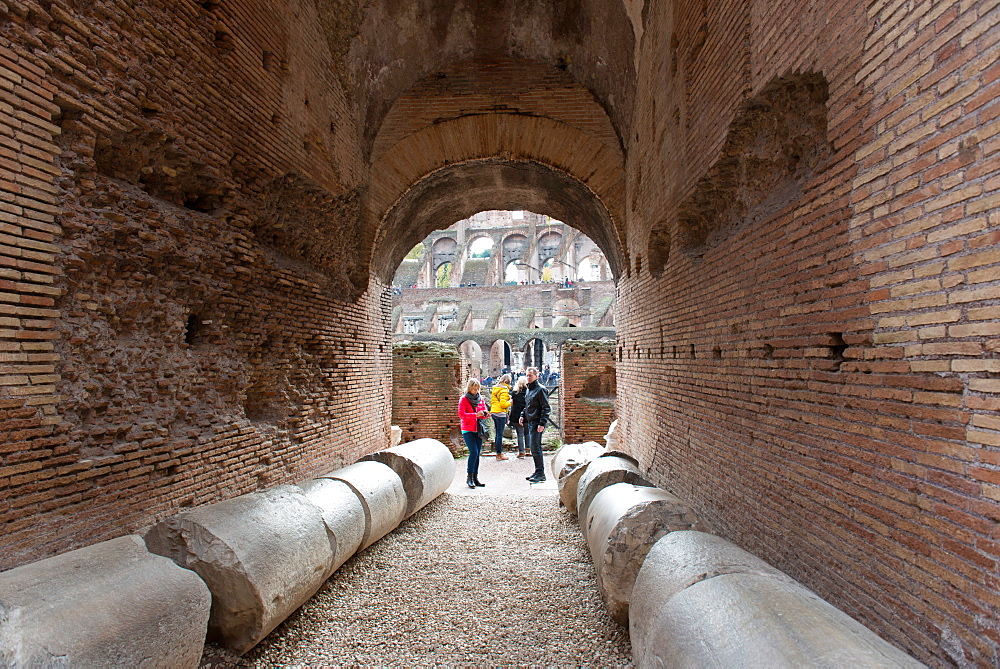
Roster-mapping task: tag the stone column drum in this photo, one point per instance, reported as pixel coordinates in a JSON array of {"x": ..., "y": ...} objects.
[
  {"x": 600, "y": 473},
  {"x": 382, "y": 497},
  {"x": 568, "y": 465},
  {"x": 110, "y": 604},
  {"x": 343, "y": 514},
  {"x": 425, "y": 466},
  {"x": 262, "y": 555},
  {"x": 700, "y": 601},
  {"x": 625, "y": 521}
]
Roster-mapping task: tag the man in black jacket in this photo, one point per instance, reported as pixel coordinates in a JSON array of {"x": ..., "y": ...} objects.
[{"x": 534, "y": 418}]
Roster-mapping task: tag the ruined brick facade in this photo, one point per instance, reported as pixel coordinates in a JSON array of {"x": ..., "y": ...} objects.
[
  {"x": 202, "y": 205},
  {"x": 427, "y": 380},
  {"x": 588, "y": 390}
]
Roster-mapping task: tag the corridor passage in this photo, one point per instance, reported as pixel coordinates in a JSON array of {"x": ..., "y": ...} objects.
[{"x": 495, "y": 576}]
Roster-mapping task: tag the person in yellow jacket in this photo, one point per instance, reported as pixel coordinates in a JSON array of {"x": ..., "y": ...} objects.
[{"x": 499, "y": 403}]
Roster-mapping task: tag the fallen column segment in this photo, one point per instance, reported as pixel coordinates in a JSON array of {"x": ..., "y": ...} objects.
[
  {"x": 600, "y": 473},
  {"x": 425, "y": 466},
  {"x": 625, "y": 521},
  {"x": 699, "y": 600},
  {"x": 568, "y": 465},
  {"x": 110, "y": 604},
  {"x": 262, "y": 555},
  {"x": 381, "y": 493},
  {"x": 343, "y": 514}
]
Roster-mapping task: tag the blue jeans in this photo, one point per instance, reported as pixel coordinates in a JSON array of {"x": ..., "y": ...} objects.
[
  {"x": 475, "y": 444},
  {"x": 535, "y": 443},
  {"x": 519, "y": 431},
  {"x": 499, "y": 421}
]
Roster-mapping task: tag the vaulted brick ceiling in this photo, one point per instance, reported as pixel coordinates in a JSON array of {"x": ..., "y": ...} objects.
[{"x": 464, "y": 106}]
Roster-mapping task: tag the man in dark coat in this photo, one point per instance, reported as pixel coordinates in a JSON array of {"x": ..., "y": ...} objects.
[{"x": 534, "y": 417}]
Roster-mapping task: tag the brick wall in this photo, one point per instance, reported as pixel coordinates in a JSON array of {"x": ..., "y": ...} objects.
[
  {"x": 31, "y": 446},
  {"x": 820, "y": 366},
  {"x": 168, "y": 338},
  {"x": 427, "y": 380},
  {"x": 588, "y": 389}
]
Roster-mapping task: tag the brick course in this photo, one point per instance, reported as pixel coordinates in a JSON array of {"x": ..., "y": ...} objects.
[
  {"x": 427, "y": 380},
  {"x": 587, "y": 390}
]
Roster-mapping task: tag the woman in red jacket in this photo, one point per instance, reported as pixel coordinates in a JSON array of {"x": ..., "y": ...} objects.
[{"x": 471, "y": 408}]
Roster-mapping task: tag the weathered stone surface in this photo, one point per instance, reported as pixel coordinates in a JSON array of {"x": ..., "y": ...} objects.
[
  {"x": 262, "y": 555},
  {"x": 109, "y": 604},
  {"x": 568, "y": 465},
  {"x": 425, "y": 466},
  {"x": 396, "y": 435},
  {"x": 700, "y": 600},
  {"x": 343, "y": 514},
  {"x": 382, "y": 496},
  {"x": 600, "y": 473},
  {"x": 747, "y": 620},
  {"x": 624, "y": 522}
]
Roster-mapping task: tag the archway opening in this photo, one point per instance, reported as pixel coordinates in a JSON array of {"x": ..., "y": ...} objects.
[
  {"x": 472, "y": 359},
  {"x": 481, "y": 247},
  {"x": 442, "y": 275}
]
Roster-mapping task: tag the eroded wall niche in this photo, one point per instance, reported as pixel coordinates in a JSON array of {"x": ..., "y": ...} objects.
[{"x": 776, "y": 143}]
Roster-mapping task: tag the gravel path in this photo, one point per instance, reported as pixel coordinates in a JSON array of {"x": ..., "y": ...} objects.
[{"x": 496, "y": 576}]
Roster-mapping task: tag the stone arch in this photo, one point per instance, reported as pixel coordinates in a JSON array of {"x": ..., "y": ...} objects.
[
  {"x": 568, "y": 309},
  {"x": 501, "y": 355},
  {"x": 593, "y": 267},
  {"x": 534, "y": 353},
  {"x": 443, "y": 251},
  {"x": 514, "y": 272},
  {"x": 472, "y": 359},
  {"x": 453, "y": 169},
  {"x": 475, "y": 242},
  {"x": 513, "y": 248},
  {"x": 548, "y": 245},
  {"x": 443, "y": 275}
]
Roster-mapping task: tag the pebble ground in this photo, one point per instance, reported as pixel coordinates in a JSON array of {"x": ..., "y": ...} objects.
[{"x": 494, "y": 577}]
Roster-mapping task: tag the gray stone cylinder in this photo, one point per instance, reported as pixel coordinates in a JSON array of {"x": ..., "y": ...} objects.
[
  {"x": 343, "y": 514},
  {"x": 700, "y": 601},
  {"x": 110, "y": 604},
  {"x": 570, "y": 456},
  {"x": 382, "y": 496},
  {"x": 262, "y": 555},
  {"x": 624, "y": 522},
  {"x": 425, "y": 466},
  {"x": 568, "y": 465},
  {"x": 600, "y": 473}
]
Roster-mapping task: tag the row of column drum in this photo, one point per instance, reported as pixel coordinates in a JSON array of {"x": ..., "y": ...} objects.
[
  {"x": 693, "y": 599},
  {"x": 229, "y": 572}
]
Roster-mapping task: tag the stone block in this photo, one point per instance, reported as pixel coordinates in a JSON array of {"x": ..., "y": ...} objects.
[
  {"x": 624, "y": 521},
  {"x": 343, "y": 514},
  {"x": 382, "y": 496},
  {"x": 600, "y": 473},
  {"x": 425, "y": 466},
  {"x": 396, "y": 435},
  {"x": 262, "y": 555},
  {"x": 110, "y": 604},
  {"x": 699, "y": 600},
  {"x": 568, "y": 465}
]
